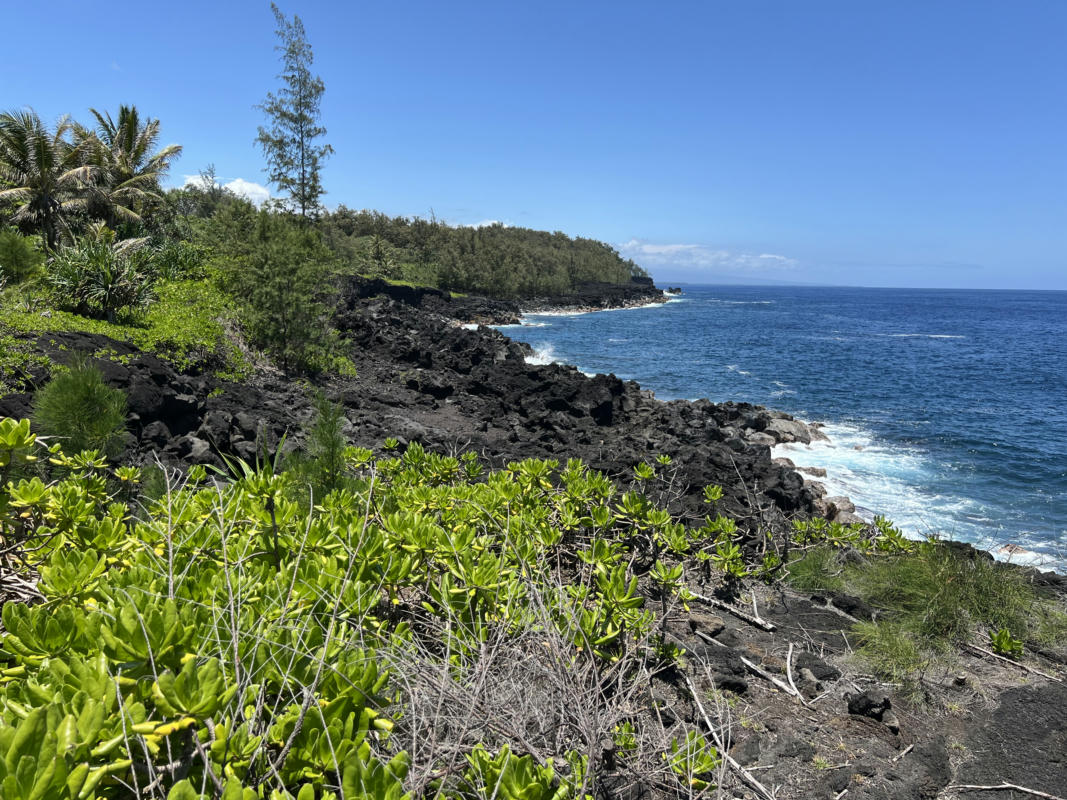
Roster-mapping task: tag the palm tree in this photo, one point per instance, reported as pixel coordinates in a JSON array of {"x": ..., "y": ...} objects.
[
  {"x": 127, "y": 172},
  {"x": 42, "y": 173}
]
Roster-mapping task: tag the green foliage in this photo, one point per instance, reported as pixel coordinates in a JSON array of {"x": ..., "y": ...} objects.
[
  {"x": 511, "y": 777},
  {"x": 176, "y": 260},
  {"x": 1004, "y": 644},
  {"x": 229, "y": 629},
  {"x": 19, "y": 258},
  {"x": 187, "y": 326},
  {"x": 98, "y": 277},
  {"x": 321, "y": 463},
  {"x": 18, "y": 360},
  {"x": 294, "y": 160},
  {"x": 893, "y": 650},
  {"x": 694, "y": 761},
  {"x": 495, "y": 260},
  {"x": 816, "y": 570},
  {"x": 882, "y": 537},
  {"x": 126, "y": 169},
  {"x": 81, "y": 410},
  {"x": 930, "y": 597},
  {"x": 42, "y": 173},
  {"x": 282, "y": 279}
]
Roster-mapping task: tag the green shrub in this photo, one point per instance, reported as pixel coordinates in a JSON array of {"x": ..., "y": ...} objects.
[
  {"x": 19, "y": 256},
  {"x": 320, "y": 464},
  {"x": 281, "y": 278},
  {"x": 1004, "y": 644},
  {"x": 298, "y": 652},
  {"x": 177, "y": 260},
  {"x": 98, "y": 278},
  {"x": 81, "y": 410}
]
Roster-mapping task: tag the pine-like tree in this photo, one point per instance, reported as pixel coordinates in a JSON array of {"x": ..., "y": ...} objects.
[{"x": 294, "y": 160}]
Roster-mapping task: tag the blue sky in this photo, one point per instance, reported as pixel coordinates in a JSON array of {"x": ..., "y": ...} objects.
[{"x": 889, "y": 144}]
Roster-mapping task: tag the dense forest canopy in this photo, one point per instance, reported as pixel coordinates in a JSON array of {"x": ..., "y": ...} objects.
[
  {"x": 89, "y": 235},
  {"x": 59, "y": 182},
  {"x": 496, "y": 260}
]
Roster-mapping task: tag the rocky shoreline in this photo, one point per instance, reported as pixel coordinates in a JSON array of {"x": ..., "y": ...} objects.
[{"x": 424, "y": 375}]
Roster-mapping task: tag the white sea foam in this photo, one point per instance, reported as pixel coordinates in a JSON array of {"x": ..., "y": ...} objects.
[
  {"x": 888, "y": 480},
  {"x": 556, "y": 313},
  {"x": 542, "y": 354},
  {"x": 920, "y": 335},
  {"x": 469, "y": 326}
]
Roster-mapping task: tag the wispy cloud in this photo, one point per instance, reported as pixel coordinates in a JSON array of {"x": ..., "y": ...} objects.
[
  {"x": 703, "y": 257},
  {"x": 250, "y": 190},
  {"x": 485, "y": 223}
]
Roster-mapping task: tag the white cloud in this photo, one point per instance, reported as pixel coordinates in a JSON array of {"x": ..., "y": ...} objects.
[
  {"x": 249, "y": 190},
  {"x": 702, "y": 257},
  {"x": 254, "y": 192},
  {"x": 485, "y": 223},
  {"x": 196, "y": 181}
]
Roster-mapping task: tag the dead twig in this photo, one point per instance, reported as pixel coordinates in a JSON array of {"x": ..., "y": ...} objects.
[
  {"x": 751, "y": 620},
  {"x": 745, "y": 776},
  {"x": 1000, "y": 787},
  {"x": 1006, "y": 660},
  {"x": 789, "y": 674},
  {"x": 901, "y": 754},
  {"x": 755, "y": 668}
]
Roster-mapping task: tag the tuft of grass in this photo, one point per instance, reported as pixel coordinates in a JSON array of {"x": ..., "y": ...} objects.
[
  {"x": 817, "y": 570},
  {"x": 931, "y": 599},
  {"x": 895, "y": 652},
  {"x": 945, "y": 594}
]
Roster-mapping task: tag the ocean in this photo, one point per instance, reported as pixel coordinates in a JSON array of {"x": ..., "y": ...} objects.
[{"x": 946, "y": 409}]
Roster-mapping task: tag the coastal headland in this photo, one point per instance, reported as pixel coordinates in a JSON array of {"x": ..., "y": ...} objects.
[{"x": 798, "y": 715}]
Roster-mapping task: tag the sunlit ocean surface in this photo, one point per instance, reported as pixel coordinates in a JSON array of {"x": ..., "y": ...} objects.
[{"x": 947, "y": 410}]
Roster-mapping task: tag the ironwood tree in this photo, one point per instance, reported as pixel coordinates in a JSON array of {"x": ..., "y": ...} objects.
[{"x": 291, "y": 141}]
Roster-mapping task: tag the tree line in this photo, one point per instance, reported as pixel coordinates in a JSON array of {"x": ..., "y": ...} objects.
[{"x": 86, "y": 227}]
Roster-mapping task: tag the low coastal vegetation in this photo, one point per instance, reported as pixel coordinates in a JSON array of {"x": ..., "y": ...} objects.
[
  {"x": 925, "y": 600},
  {"x": 420, "y": 626},
  {"x": 340, "y": 622},
  {"x": 337, "y": 621}
]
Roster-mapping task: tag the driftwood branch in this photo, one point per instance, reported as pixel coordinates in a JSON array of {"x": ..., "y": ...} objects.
[
  {"x": 756, "y": 669},
  {"x": 789, "y": 674},
  {"x": 901, "y": 754},
  {"x": 1006, "y": 660},
  {"x": 742, "y": 615},
  {"x": 1000, "y": 787},
  {"x": 745, "y": 776}
]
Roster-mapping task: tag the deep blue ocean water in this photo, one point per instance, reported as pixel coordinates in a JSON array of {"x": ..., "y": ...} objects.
[{"x": 947, "y": 410}]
